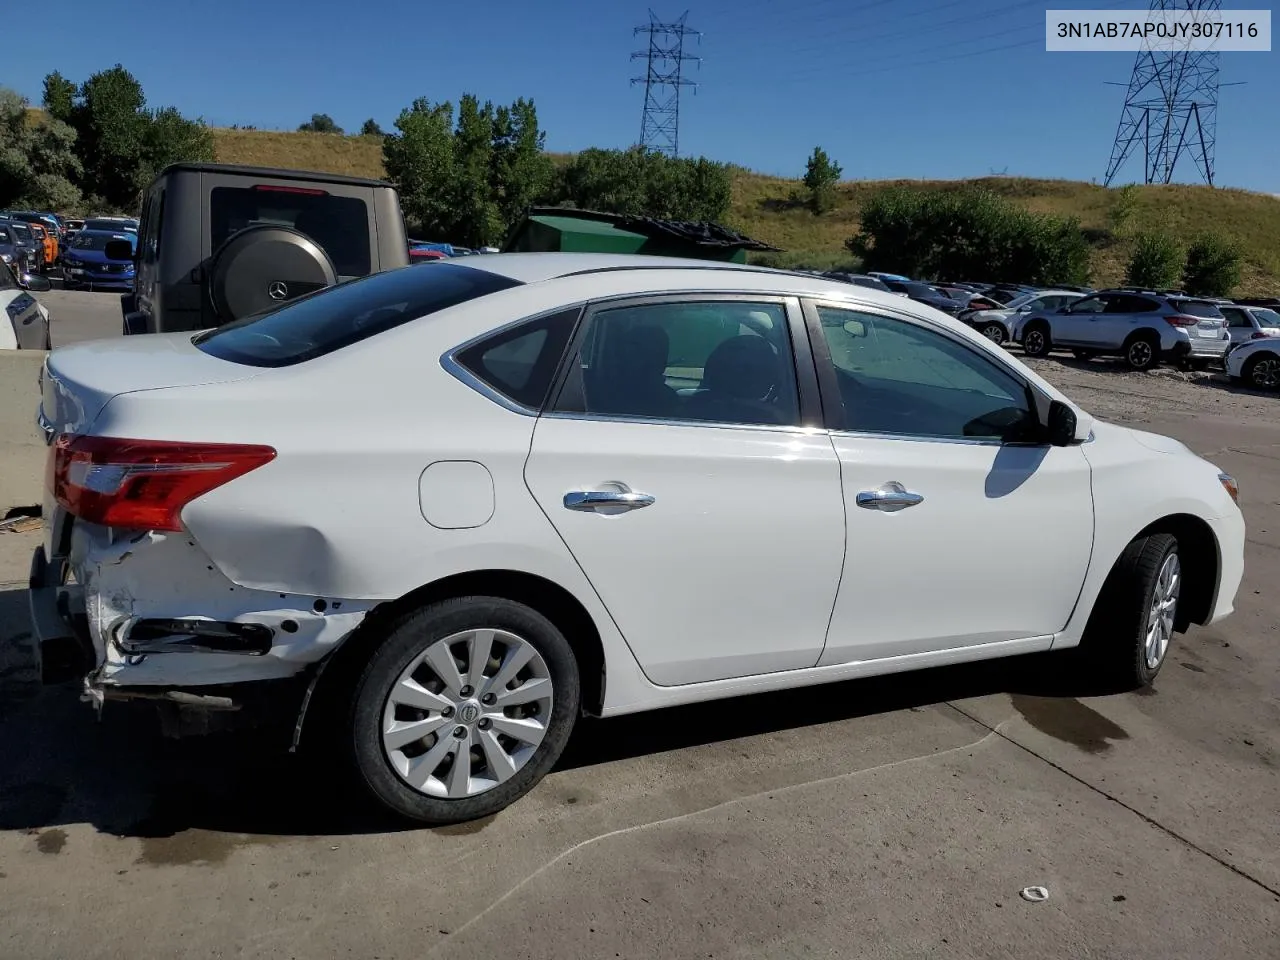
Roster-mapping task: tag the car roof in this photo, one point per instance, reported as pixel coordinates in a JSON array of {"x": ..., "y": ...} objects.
[
  {"x": 274, "y": 172},
  {"x": 119, "y": 234},
  {"x": 700, "y": 274}
]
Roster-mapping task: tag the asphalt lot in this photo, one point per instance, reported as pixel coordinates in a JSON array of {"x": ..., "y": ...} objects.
[{"x": 893, "y": 817}]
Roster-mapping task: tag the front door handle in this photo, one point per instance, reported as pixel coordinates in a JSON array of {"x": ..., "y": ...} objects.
[
  {"x": 590, "y": 500},
  {"x": 888, "y": 497}
]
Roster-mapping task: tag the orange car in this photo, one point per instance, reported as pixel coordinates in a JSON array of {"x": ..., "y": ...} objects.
[{"x": 47, "y": 240}]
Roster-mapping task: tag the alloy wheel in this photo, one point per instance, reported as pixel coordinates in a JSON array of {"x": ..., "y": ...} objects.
[
  {"x": 1140, "y": 354},
  {"x": 1265, "y": 373},
  {"x": 1164, "y": 608},
  {"x": 994, "y": 332},
  {"x": 467, "y": 713},
  {"x": 1034, "y": 342}
]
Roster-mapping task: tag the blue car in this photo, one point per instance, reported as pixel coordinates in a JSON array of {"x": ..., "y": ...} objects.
[{"x": 85, "y": 261}]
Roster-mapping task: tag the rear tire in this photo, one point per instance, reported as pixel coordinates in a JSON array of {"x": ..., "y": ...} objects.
[
  {"x": 1036, "y": 341},
  {"x": 1131, "y": 627},
  {"x": 416, "y": 778},
  {"x": 1262, "y": 371},
  {"x": 1142, "y": 352}
]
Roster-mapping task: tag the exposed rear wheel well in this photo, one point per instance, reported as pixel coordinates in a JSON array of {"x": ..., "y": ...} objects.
[
  {"x": 1198, "y": 553},
  {"x": 549, "y": 599}
]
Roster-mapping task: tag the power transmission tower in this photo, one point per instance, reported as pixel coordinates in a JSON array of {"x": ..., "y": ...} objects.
[
  {"x": 660, "y": 125},
  {"x": 1171, "y": 106}
]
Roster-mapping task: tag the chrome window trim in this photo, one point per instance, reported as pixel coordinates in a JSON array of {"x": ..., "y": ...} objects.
[
  {"x": 667, "y": 422},
  {"x": 449, "y": 359}
]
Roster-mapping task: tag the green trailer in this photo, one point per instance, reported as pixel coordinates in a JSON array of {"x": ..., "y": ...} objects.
[{"x": 566, "y": 230}]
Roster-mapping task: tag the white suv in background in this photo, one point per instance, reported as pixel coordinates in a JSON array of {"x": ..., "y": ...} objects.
[
  {"x": 1001, "y": 325},
  {"x": 1249, "y": 323}
]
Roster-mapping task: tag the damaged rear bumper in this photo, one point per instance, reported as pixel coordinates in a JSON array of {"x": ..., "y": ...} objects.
[{"x": 148, "y": 615}]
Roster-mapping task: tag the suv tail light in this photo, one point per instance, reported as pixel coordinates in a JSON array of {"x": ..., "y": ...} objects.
[
  {"x": 1260, "y": 335},
  {"x": 1178, "y": 320},
  {"x": 143, "y": 484}
]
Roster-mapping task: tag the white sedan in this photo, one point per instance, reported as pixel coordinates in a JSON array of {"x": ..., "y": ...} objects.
[
  {"x": 27, "y": 320},
  {"x": 1256, "y": 362},
  {"x": 463, "y": 503}
]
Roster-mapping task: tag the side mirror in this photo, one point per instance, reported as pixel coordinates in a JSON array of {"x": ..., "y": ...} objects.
[
  {"x": 35, "y": 283},
  {"x": 855, "y": 328},
  {"x": 1060, "y": 426},
  {"x": 118, "y": 250}
]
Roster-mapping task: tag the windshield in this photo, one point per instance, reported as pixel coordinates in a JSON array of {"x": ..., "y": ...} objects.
[
  {"x": 88, "y": 240},
  {"x": 110, "y": 225},
  {"x": 20, "y": 231},
  {"x": 1267, "y": 318},
  {"x": 352, "y": 311}
]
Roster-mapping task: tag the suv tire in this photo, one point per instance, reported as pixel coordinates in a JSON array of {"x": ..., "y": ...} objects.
[
  {"x": 994, "y": 331},
  {"x": 1142, "y": 351},
  {"x": 455, "y": 711},
  {"x": 1130, "y": 630},
  {"x": 1036, "y": 341}
]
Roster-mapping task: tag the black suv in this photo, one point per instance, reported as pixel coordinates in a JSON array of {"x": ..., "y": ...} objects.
[{"x": 218, "y": 242}]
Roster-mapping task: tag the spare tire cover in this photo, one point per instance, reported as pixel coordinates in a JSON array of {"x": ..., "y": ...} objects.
[{"x": 262, "y": 267}]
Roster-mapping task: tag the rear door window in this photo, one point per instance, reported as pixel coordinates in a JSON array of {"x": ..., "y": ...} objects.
[
  {"x": 338, "y": 224},
  {"x": 336, "y": 317}
]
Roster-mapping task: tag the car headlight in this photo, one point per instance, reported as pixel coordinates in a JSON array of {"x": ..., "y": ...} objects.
[{"x": 1229, "y": 484}]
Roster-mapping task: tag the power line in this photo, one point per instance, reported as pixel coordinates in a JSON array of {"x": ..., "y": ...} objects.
[
  {"x": 665, "y": 56},
  {"x": 895, "y": 65}
]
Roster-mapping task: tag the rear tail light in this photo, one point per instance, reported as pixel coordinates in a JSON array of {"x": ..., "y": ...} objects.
[
  {"x": 1259, "y": 335},
  {"x": 143, "y": 484},
  {"x": 305, "y": 191},
  {"x": 1178, "y": 320}
]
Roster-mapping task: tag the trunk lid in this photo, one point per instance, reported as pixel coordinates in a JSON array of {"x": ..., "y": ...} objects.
[{"x": 79, "y": 380}]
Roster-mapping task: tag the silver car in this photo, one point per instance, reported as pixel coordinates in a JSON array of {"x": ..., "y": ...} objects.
[{"x": 1142, "y": 326}]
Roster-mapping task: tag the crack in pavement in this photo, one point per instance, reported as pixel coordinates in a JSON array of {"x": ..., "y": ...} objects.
[{"x": 1169, "y": 831}]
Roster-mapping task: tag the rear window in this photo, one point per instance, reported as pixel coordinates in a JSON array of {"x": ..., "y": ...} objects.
[
  {"x": 1197, "y": 308},
  {"x": 339, "y": 316},
  {"x": 339, "y": 224},
  {"x": 1267, "y": 318}
]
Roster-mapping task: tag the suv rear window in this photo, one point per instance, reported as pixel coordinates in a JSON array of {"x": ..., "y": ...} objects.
[
  {"x": 339, "y": 224},
  {"x": 1197, "y": 308},
  {"x": 337, "y": 317}
]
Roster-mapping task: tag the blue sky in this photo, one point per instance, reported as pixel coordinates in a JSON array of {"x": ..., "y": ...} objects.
[{"x": 891, "y": 88}]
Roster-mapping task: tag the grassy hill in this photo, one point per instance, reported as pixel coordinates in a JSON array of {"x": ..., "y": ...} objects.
[{"x": 767, "y": 208}]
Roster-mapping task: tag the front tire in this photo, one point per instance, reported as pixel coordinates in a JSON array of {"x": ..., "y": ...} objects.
[
  {"x": 994, "y": 332},
  {"x": 1262, "y": 371},
  {"x": 1131, "y": 628},
  {"x": 483, "y": 679}
]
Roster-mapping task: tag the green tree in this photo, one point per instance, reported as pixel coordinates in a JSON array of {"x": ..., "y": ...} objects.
[
  {"x": 521, "y": 173},
  {"x": 59, "y": 96},
  {"x": 419, "y": 159},
  {"x": 476, "y": 218},
  {"x": 171, "y": 138},
  {"x": 820, "y": 178},
  {"x": 320, "y": 123},
  {"x": 1155, "y": 263},
  {"x": 1212, "y": 268},
  {"x": 370, "y": 128},
  {"x": 38, "y": 167},
  {"x": 110, "y": 120}
]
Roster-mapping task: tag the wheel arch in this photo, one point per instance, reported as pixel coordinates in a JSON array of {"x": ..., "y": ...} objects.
[
  {"x": 1200, "y": 555},
  {"x": 339, "y": 671}
]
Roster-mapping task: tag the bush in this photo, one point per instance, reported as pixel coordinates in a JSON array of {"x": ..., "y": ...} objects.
[
  {"x": 1155, "y": 262},
  {"x": 968, "y": 232},
  {"x": 1212, "y": 268},
  {"x": 319, "y": 123},
  {"x": 644, "y": 182}
]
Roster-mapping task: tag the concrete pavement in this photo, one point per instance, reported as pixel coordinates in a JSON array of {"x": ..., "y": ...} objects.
[{"x": 893, "y": 817}]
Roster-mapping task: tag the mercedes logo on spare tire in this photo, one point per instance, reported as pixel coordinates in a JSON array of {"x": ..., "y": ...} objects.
[{"x": 263, "y": 267}]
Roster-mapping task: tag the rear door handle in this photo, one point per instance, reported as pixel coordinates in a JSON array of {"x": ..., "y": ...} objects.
[
  {"x": 590, "y": 500},
  {"x": 888, "y": 498}
]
